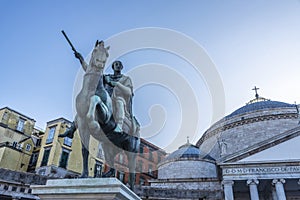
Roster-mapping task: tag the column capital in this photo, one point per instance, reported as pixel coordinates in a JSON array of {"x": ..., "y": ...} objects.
[
  {"x": 252, "y": 182},
  {"x": 228, "y": 182},
  {"x": 276, "y": 181}
]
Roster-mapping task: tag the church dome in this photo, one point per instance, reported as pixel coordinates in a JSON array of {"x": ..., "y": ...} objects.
[
  {"x": 187, "y": 162},
  {"x": 260, "y": 106},
  {"x": 257, "y": 121}
]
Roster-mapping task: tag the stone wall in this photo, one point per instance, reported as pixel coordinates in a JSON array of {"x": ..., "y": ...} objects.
[
  {"x": 147, "y": 192},
  {"x": 187, "y": 169},
  {"x": 16, "y": 185},
  {"x": 188, "y": 184},
  {"x": 22, "y": 177}
]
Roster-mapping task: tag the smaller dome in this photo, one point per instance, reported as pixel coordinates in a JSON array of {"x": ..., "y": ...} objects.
[
  {"x": 188, "y": 151},
  {"x": 186, "y": 163}
]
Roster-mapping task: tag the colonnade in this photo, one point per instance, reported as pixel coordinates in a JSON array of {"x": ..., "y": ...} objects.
[{"x": 278, "y": 192}]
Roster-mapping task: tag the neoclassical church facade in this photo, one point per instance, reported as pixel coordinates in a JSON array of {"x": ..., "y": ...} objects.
[{"x": 252, "y": 153}]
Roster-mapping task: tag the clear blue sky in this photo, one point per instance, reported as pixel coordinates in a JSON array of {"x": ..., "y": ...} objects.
[{"x": 250, "y": 42}]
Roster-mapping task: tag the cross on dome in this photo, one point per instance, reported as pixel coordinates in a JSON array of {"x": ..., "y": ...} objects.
[
  {"x": 256, "y": 94},
  {"x": 257, "y": 97}
]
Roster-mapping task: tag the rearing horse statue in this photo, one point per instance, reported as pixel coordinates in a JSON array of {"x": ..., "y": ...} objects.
[
  {"x": 94, "y": 116},
  {"x": 87, "y": 100}
]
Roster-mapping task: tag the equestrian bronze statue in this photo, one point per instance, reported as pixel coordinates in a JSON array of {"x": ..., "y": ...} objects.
[{"x": 104, "y": 111}]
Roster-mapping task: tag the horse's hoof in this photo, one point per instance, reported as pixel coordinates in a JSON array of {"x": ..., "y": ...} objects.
[
  {"x": 84, "y": 176},
  {"x": 108, "y": 174}
]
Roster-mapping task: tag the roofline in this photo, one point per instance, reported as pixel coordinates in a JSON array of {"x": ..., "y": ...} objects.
[
  {"x": 262, "y": 162},
  {"x": 185, "y": 159},
  {"x": 6, "y": 107},
  {"x": 58, "y": 119},
  {"x": 153, "y": 146},
  {"x": 23, "y": 140},
  {"x": 234, "y": 114}
]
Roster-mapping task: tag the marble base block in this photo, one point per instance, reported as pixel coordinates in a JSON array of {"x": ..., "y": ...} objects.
[{"x": 87, "y": 188}]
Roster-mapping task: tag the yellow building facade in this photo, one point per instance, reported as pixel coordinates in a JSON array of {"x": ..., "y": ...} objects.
[
  {"x": 16, "y": 143},
  {"x": 14, "y": 125},
  {"x": 62, "y": 157}
]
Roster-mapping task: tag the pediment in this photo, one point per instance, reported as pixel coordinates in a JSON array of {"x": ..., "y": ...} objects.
[
  {"x": 288, "y": 150},
  {"x": 283, "y": 147}
]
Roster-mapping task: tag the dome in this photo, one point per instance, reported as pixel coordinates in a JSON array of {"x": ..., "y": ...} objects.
[
  {"x": 260, "y": 106},
  {"x": 187, "y": 162},
  {"x": 257, "y": 121},
  {"x": 187, "y": 151}
]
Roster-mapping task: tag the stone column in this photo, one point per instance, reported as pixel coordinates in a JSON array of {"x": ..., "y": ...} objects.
[
  {"x": 228, "y": 191},
  {"x": 274, "y": 195},
  {"x": 252, "y": 183},
  {"x": 279, "y": 188}
]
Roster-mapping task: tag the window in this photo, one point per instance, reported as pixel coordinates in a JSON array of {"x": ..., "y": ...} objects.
[
  {"x": 15, "y": 144},
  {"x": 20, "y": 126},
  {"x": 50, "y": 135},
  {"x": 140, "y": 165},
  {"x": 5, "y": 117},
  {"x": 121, "y": 176},
  {"x": 98, "y": 169},
  {"x": 150, "y": 156},
  {"x": 42, "y": 172},
  {"x": 64, "y": 158},
  {"x": 141, "y": 149},
  {"x": 68, "y": 141},
  {"x": 121, "y": 158},
  {"x": 28, "y": 147},
  {"x": 150, "y": 169},
  {"x": 33, "y": 159},
  {"x": 142, "y": 180},
  {"x": 38, "y": 142},
  {"x": 158, "y": 158},
  {"x": 100, "y": 153},
  {"x": 45, "y": 157}
]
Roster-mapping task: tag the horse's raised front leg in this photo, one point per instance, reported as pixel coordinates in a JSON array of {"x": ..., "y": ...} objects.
[{"x": 103, "y": 113}]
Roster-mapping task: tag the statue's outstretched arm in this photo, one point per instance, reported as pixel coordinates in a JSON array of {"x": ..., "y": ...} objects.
[{"x": 81, "y": 59}]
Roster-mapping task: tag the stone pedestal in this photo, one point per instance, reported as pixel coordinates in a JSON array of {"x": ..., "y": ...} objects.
[{"x": 87, "y": 188}]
